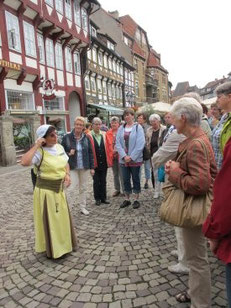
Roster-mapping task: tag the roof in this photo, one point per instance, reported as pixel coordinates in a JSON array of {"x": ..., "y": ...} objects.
[
  {"x": 129, "y": 25},
  {"x": 215, "y": 83},
  {"x": 154, "y": 61},
  {"x": 110, "y": 109},
  {"x": 137, "y": 50},
  {"x": 181, "y": 88}
]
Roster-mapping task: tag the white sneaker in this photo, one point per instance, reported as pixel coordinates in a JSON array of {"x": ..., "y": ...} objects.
[
  {"x": 178, "y": 269},
  {"x": 84, "y": 211},
  {"x": 174, "y": 253}
]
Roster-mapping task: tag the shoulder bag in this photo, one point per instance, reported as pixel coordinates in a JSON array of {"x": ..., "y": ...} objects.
[
  {"x": 146, "y": 152},
  {"x": 181, "y": 209}
]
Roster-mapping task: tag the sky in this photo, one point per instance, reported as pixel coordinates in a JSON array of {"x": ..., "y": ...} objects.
[{"x": 192, "y": 36}]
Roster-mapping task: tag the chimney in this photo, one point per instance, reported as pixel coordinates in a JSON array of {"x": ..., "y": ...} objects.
[{"x": 114, "y": 14}]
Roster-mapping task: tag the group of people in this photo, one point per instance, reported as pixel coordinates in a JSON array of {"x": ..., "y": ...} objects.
[{"x": 188, "y": 135}]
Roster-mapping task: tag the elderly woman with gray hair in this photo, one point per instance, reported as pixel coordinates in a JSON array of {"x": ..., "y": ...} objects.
[
  {"x": 194, "y": 173},
  {"x": 153, "y": 139}
]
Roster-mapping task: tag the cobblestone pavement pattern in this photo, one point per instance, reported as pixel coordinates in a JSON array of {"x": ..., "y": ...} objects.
[{"x": 121, "y": 261}]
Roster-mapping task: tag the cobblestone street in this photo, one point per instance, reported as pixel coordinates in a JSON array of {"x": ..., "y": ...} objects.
[{"x": 121, "y": 261}]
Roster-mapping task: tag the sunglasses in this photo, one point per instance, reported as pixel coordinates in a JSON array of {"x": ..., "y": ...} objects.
[{"x": 52, "y": 135}]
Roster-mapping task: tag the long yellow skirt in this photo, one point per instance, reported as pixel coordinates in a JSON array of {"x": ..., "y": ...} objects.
[{"x": 54, "y": 232}]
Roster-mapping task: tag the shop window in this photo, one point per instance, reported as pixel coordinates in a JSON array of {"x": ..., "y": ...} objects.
[
  {"x": 13, "y": 32},
  {"x": 20, "y": 100},
  {"x": 29, "y": 39},
  {"x": 54, "y": 104},
  {"x": 59, "y": 123}
]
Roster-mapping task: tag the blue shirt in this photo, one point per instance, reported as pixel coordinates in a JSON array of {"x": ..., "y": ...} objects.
[
  {"x": 216, "y": 140},
  {"x": 79, "y": 153}
]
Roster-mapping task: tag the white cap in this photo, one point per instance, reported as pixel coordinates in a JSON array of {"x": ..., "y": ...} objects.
[{"x": 41, "y": 131}]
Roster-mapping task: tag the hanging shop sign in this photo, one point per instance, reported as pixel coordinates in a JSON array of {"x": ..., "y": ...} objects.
[
  {"x": 11, "y": 65},
  {"x": 48, "y": 86}
]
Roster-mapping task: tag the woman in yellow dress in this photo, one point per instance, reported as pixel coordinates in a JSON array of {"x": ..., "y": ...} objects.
[{"x": 54, "y": 232}]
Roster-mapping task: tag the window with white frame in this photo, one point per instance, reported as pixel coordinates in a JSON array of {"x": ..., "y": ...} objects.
[
  {"x": 121, "y": 69},
  {"x": 94, "y": 55},
  {"x": 54, "y": 104},
  {"x": 13, "y": 32},
  {"x": 93, "y": 31},
  {"x": 59, "y": 6},
  {"x": 41, "y": 48},
  {"x": 117, "y": 92},
  {"x": 50, "y": 53},
  {"x": 68, "y": 58},
  {"x": 93, "y": 84},
  {"x": 77, "y": 16},
  {"x": 104, "y": 87},
  {"x": 105, "y": 63},
  {"x": 20, "y": 100},
  {"x": 100, "y": 57},
  {"x": 121, "y": 93},
  {"x": 137, "y": 88},
  {"x": 113, "y": 91},
  {"x": 89, "y": 54},
  {"x": 84, "y": 19},
  {"x": 87, "y": 83},
  {"x": 29, "y": 39},
  {"x": 50, "y": 2},
  {"x": 99, "y": 85},
  {"x": 59, "y": 56},
  {"x": 109, "y": 90},
  {"x": 68, "y": 11},
  {"x": 110, "y": 45},
  {"x": 114, "y": 66},
  {"x": 77, "y": 67},
  {"x": 118, "y": 68},
  {"x": 110, "y": 64}
]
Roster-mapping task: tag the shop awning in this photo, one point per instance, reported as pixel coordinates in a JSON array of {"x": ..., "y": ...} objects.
[{"x": 110, "y": 109}]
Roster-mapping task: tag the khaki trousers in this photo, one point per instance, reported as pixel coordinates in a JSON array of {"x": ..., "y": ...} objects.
[
  {"x": 199, "y": 272},
  {"x": 79, "y": 181}
]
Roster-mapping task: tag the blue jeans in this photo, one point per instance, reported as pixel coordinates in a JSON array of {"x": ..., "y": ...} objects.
[
  {"x": 147, "y": 170},
  {"x": 228, "y": 282},
  {"x": 129, "y": 172}
]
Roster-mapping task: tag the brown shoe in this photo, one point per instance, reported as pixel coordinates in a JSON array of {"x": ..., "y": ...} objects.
[{"x": 116, "y": 194}]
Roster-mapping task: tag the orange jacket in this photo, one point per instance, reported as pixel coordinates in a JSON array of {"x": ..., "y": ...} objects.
[
  {"x": 109, "y": 145},
  {"x": 107, "y": 150}
]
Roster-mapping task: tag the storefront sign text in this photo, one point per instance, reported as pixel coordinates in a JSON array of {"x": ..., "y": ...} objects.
[{"x": 13, "y": 66}]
